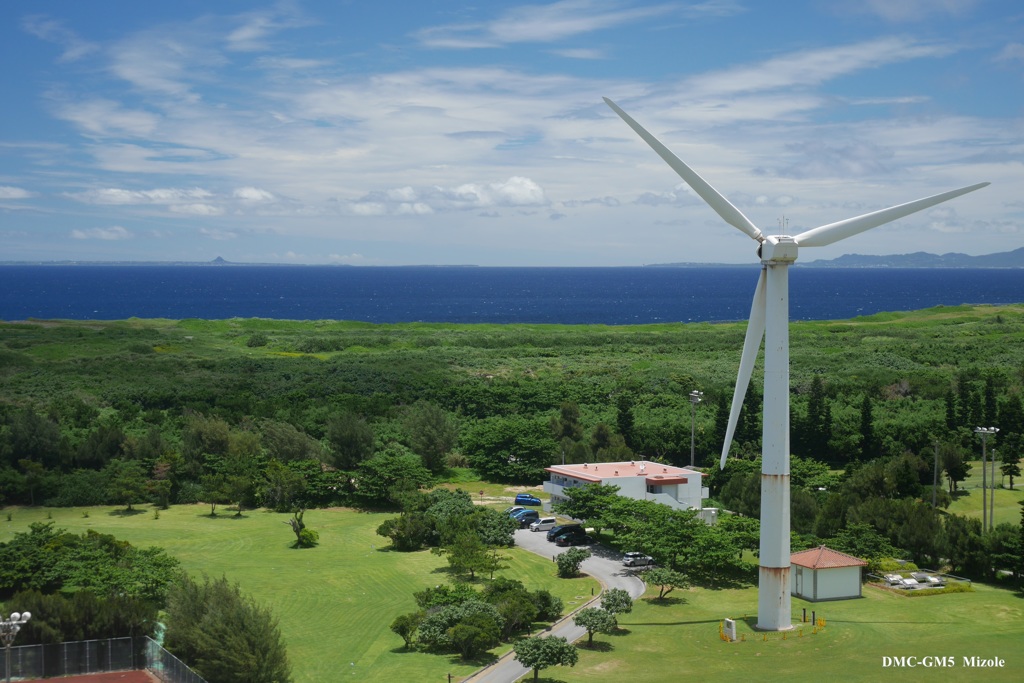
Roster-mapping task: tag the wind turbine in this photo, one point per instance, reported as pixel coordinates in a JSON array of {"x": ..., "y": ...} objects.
[{"x": 769, "y": 318}]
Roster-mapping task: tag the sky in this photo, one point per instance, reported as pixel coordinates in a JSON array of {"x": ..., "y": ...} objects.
[{"x": 441, "y": 132}]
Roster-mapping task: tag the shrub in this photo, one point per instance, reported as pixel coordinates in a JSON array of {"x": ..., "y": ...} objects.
[
  {"x": 257, "y": 339},
  {"x": 569, "y": 562}
]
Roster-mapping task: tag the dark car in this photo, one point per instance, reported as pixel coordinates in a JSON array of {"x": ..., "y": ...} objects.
[
  {"x": 525, "y": 517},
  {"x": 573, "y": 539},
  {"x": 564, "y": 529},
  {"x": 527, "y": 499}
]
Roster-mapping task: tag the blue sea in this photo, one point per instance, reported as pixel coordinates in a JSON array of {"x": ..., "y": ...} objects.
[{"x": 614, "y": 296}]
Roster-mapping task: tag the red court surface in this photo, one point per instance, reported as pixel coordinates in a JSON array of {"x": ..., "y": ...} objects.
[{"x": 110, "y": 677}]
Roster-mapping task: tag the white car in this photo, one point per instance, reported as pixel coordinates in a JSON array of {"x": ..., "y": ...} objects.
[{"x": 637, "y": 560}]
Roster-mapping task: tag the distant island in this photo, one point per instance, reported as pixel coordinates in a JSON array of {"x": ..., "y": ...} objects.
[{"x": 920, "y": 259}]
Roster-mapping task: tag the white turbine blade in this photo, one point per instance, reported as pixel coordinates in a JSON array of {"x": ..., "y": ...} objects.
[
  {"x": 713, "y": 197},
  {"x": 833, "y": 232},
  {"x": 751, "y": 343}
]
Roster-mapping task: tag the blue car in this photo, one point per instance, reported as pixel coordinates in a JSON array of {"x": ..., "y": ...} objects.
[{"x": 527, "y": 499}]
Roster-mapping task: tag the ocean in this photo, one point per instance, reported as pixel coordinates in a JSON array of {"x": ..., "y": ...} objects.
[{"x": 612, "y": 296}]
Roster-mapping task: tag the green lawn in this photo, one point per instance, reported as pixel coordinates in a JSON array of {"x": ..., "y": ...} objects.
[
  {"x": 334, "y": 602},
  {"x": 1007, "y": 502},
  {"x": 679, "y": 641}
]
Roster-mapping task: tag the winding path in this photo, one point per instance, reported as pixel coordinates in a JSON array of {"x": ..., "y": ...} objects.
[{"x": 604, "y": 565}]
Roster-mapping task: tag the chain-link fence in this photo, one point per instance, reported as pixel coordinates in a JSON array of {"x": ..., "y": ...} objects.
[
  {"x": 96, "y": 656},
  {"x": 167, "y": 667}
]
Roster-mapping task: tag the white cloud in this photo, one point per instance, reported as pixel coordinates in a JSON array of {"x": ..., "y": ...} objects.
[
  {"x": 53, "y": 31},
  {"x": 196, "y": 209},
  {"x": 116, "y": 196},
  {"x": 115, "y": 232},
  {"x": 1012, "y": 52},
  {"x": 8, "y": 192},
  {"x": 253, "y": 194},
  {"x": 218, "y": 234},
  {"x": 106, "y": 117},
  {"x": 542, "y": 23},
  {"x": 916, "y": 10},
  {"x": 807, "y": 68}
]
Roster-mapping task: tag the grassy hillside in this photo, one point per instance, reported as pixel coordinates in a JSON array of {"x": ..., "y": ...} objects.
[
  {"x": 335, "y": 602},
  {"x": 679, "y": 640}
]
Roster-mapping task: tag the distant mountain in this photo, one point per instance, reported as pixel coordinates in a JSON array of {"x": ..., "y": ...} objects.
[
  {"x": 1006, "y": 259},
  {"x": 920, "y": 259}
]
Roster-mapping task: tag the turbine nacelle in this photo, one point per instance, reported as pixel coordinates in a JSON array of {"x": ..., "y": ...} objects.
[{"x": 777, "y": 250}]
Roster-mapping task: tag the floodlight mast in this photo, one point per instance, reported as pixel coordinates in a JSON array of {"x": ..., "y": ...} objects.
[{"x": 769, "y": 318}]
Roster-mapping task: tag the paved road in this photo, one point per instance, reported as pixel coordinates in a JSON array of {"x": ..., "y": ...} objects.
[{"x": 604, "y": 565}]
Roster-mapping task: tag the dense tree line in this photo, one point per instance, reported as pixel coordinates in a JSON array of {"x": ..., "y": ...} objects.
[{"x": 290, "y": 415}]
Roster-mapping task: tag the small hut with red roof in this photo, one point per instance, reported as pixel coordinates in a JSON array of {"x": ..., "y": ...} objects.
[{"x": 825, "y": 574}]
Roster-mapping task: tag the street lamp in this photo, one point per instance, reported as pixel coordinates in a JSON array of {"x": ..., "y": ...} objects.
[
  {"x": 985, "y": 431},
  {"x": 8, "y": 630},
  {"x": 695, "y": 398}
]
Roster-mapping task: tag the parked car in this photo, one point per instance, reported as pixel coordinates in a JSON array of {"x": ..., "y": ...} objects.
[
  {"x": 526, "y": 517},
  {"x": 544, "y": 523},
  {"x": 573, "y": 539},
  {"x": 527, "y": 499},
  {"x": 637, "y": 560},
  {"x": 564, "y": 529},
  {"x": 513, "y": 510}
]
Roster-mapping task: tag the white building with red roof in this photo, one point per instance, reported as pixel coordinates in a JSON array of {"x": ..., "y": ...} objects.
[
  {"x": 825, "y": 574},
  {"x": 677, "y": 487}
]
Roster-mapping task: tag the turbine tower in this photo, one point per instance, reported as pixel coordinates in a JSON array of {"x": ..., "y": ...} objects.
[{"x": 769, "y": 318}]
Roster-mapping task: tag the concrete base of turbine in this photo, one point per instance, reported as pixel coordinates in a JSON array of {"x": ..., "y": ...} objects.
[{"x": 774, "y": 610}]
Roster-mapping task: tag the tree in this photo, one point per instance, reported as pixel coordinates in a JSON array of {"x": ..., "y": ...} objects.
[
  {"x": 666, "y": 580},
  {"x": 351, "y": 440},
  {"x": 617, "y": 601},
  {"x": 569, "y": 562},
  {"x": 466, "y": 554},
  {"x": 862, "y": 540},
  {"x": 965, "y": 546},
  {"x": 436, "y": 629},
  {"x": 566, "y": 425},
  {"x": 625, "y": 421},
  {"x": 954, "y": 464},
  {"x": 395, "y": 468},
  {"x": 512, "y": 448},
  {"x": 474, "y": 634},
  {"x": 214, "y": 490},
  {"x": 304, "y": 538},
  {"x": 34, "y": 473},
  {"x": 225, "y": 636},
  {"x": 587, "y": 503},
  {"x": 1009, "y": 455},
  {"x": 431, "y": 433},
  {"x": 83, "y": 615},
  {"x": 868, "y": 441},
  {"x": 540, "y": 653},
  {"x": 285, "y": 442},
  {"x": 127, "y": 482},
  {"x": 595, "y": 620},
  {"x": 283, "y": 486}
]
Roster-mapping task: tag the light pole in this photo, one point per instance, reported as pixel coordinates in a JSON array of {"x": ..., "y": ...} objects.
[
  {"x": 992, "y": 497},
  {"x": 8, "y": 630},
  {"x": 984, "y": 431},
  {"x": 695, "y": 398}
]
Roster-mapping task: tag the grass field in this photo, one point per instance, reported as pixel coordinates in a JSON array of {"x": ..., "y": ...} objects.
[
  {"x": 1007, "y": 502},
  {"x": 334, "y": 602},
  {"x": 679, "y": 640}
]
